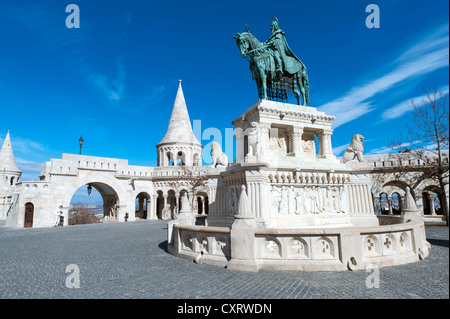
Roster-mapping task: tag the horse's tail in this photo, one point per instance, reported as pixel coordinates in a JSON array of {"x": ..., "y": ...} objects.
[{"x": 306, "y": 85}]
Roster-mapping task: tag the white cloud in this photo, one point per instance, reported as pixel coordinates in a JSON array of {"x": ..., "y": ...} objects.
[
  {"x": 414, "y": 62},
  {"x": 436, "y": 39},
  {"x": 24, "y": 145},
  {"x": 30, "y": 170},
  {"x": 402, "y": 108},
  {"x": 339, "y": 149},
  {"x": 112, "y": 89}
]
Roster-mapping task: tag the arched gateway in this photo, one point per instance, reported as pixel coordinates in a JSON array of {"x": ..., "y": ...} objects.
[{"x": 128, "y": 191}]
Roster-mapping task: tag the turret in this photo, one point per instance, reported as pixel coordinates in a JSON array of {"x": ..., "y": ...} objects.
[
  {"x": 8, "y": 168},
  {"x": 9, "y": 175},
  {"x": 179, "y": 146}
]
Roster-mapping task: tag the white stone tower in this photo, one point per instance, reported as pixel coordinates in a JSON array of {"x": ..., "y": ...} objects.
[
  {"x": 179, "y": 146},
  {"x": 9, "y": 175}
]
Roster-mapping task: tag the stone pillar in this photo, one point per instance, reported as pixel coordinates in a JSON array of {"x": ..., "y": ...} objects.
[
  {"x": 165, "y": 158},
  {"x": 239, "y": 135},
  {"x": 297, "y": 148},
  {"x": 165, "y": 207},
  {"x": 430, "y": 197},
  {"x": 377, "y": 204},
  {"x": 66, "y": 217},
  {"x": 389, "y": 198},
  {"x": 154, "y": 208},
  {"x": 325, "y": 148},
  {"x": 175, "y": 211},
  {"x": 150, "y": 206},
  {"x": 242, "y": 237},
  {"x": 203, "y": 206}
]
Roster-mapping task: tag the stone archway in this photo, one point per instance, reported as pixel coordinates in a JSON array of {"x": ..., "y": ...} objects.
[
  {"x": 432, "y": 201},
  {"x": 110, "y": 196},
  {"x": 391, "y": 196},
  {"x": 201, "y": 203},
  {"x": 143, "y": 205}
]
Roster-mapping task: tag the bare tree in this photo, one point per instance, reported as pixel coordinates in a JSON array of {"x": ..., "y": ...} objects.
[
  {"x": 426, "y": 143},
  {"x": 81, "y": 214}
]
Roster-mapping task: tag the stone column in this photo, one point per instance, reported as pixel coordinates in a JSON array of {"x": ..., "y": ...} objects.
[
  {"x": 175, "y": 158},
  {"x": 165, "y": 207},
  {"x": 203, "y": 206},
  {"x": 377, "y": 204},
  {"x": 242, "y": 237},
  {"x": 149, "y": 208},
  {"x": 325, "y": 148},
  {"x": 175, "y": 211},
  {"x": 164, "y": 159},
  {"x": 297, "y": 148},
  {"x": 66, "y": 217},
  {"x": 154, "y": 208},
  {"x": 239, "y": 135},
  {"x": 389, "y": 198},
  {"x": 430, "y": 197}
]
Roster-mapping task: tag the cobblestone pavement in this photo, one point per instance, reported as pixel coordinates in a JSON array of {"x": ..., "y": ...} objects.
[{"x": 129, "y": 260}]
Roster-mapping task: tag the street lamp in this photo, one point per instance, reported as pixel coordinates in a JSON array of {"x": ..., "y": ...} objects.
[
  {"x": 89, "y": 189},
  {"x": 81, "y": 142}
]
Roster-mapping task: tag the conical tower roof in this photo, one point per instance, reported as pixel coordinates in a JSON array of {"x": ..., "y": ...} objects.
[
  {"x": 7, "y": 161},
  {"x": 179, "y": 130}
]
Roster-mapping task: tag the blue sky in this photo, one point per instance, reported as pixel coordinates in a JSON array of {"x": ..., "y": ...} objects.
[{"x": 114, "y": 79}]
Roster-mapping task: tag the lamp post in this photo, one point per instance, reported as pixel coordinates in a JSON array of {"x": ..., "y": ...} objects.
[{"x": 81, "y": 142}]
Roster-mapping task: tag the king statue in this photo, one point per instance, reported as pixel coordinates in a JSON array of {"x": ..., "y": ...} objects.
[
  {"x": 275, "y": 68},
  {"x": 285, "y": 59}
]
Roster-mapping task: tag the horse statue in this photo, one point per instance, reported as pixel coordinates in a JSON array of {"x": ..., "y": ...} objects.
[{"x": 263, "y": 68}]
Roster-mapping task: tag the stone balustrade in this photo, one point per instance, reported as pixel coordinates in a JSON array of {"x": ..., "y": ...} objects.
[{"x": 309, "y": 249}]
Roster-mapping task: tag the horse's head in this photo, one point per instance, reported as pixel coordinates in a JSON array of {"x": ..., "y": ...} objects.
[{"x": 243, "y": 43}]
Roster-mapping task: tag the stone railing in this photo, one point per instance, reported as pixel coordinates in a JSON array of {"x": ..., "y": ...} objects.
[
  {"x": 201, "y": 244},
  {"x": 309, "y": 249},
  {"x": 402, "y": 159}
]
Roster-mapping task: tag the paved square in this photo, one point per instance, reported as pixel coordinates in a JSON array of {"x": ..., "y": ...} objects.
[{"x": 129, "y": 260}]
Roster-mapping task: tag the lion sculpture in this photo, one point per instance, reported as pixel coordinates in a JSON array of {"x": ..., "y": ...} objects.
[
  {"x": 217, "y": 155},
  {"x": 254, "y": 145},
  {"x": 354, "y": 153}
]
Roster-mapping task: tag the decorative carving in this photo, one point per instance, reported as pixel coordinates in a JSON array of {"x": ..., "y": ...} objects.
[
  {"x": 299, "y": 247},
  {"x": 185, "y": 204},
  {"x": 308, "y": 147},
  {"x": 278, "y": 140},
  {"x": 324, "y": 248},
  {"x": 232, "y": 201},
  {"x": 307, "y": 200},
  {"x": 244, "y": 211},
  {"x": 272, "y": 247}
]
